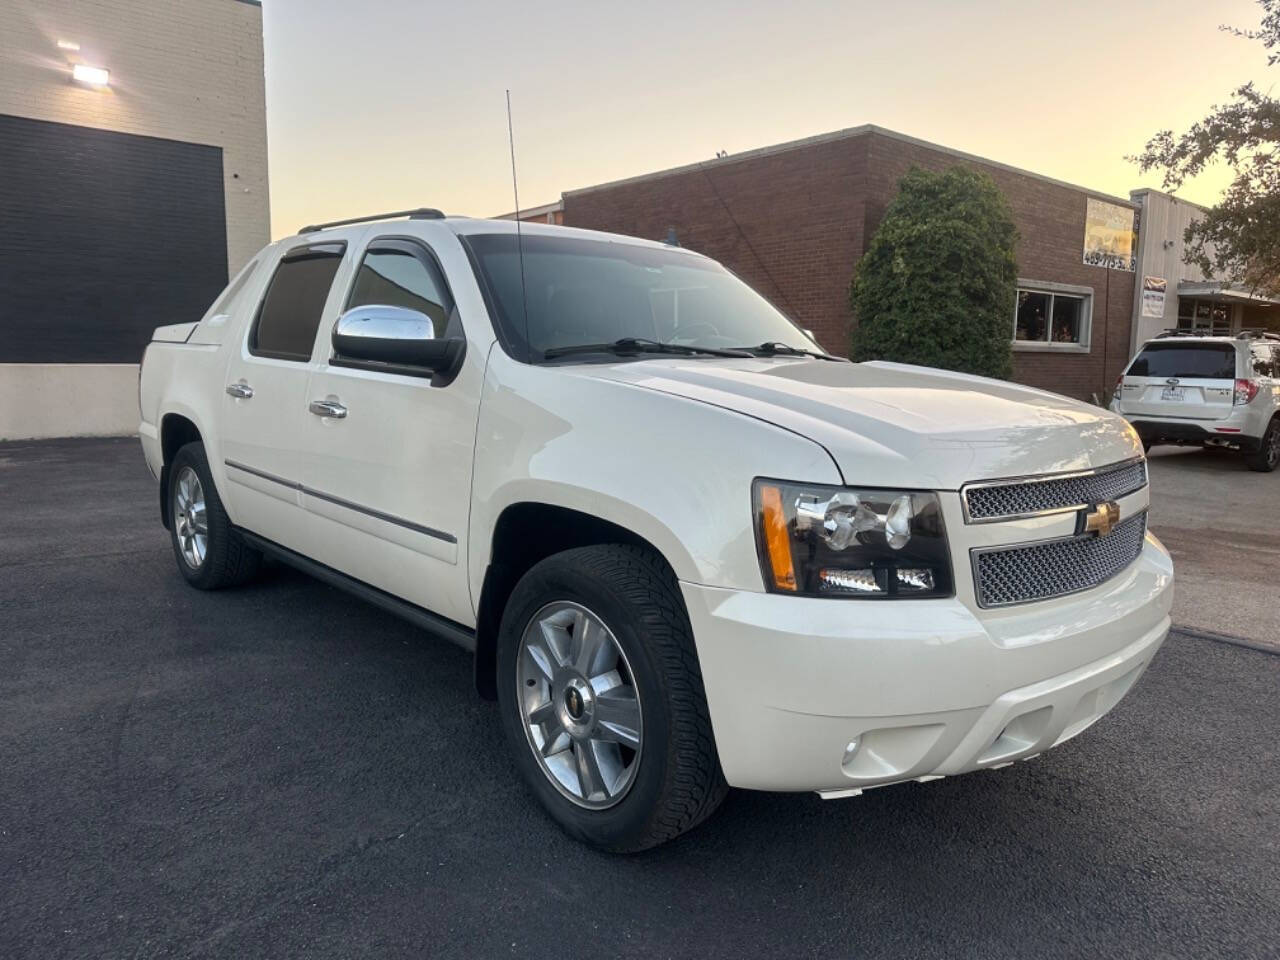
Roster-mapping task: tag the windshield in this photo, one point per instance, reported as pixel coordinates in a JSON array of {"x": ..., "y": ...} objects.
[
  {"x": 1186, "y": 361},
  {"x": 582, "y": 291}
]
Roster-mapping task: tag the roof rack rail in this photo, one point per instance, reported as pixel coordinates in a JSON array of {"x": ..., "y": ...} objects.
[
  {"x": 1256, "y": 333},
  {"x": 421, "y": 213},
  {"x": 1174, "y": 332}
]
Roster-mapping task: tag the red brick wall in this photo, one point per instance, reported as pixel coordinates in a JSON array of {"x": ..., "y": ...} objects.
[
  {"x": 1050, "y": 220},
  {"x": 805, "y": 216},
  {"x": 800, "y": 213}
]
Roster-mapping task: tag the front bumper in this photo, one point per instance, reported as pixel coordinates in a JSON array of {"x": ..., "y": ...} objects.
[{"x": 840, "y": 695}]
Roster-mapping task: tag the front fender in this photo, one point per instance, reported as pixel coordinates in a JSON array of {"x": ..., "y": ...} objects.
[{"x": 673, "y": 471}]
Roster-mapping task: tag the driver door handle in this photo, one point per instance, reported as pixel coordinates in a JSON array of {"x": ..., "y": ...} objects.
[
  {"x": 241, "y": 390},
  {"x": 327, "y": 408}
]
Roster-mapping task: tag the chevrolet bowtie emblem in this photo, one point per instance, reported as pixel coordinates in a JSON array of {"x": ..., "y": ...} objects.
[{"x": 1102, "y": 518}]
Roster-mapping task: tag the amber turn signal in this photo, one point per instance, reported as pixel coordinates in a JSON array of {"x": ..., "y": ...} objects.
[{"x": 777, "y": 543}]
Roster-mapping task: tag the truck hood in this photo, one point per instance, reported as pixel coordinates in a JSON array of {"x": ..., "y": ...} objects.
[{"x": 888, "y": 424}]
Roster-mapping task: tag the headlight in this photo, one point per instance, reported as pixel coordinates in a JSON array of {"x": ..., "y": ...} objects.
[{"x": 843, "y": 542}]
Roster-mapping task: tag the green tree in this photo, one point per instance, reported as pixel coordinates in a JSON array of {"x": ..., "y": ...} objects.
[
  {"x": 937, "y": 284},
  {"x": 1238, "y": 240}
]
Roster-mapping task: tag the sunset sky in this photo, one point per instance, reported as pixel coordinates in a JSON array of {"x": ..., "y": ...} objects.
[{"x": 396, "y": 103}]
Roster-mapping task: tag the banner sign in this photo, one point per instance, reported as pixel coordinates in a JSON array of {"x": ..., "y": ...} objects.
[
  {"x": 1153, "y": 289},
  {"x": 1110, "y": 236}
]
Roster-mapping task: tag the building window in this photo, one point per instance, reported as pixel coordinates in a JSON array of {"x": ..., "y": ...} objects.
[
  {"x": 1052, "y": 316},
  {"x": 1204, "y": 316}
]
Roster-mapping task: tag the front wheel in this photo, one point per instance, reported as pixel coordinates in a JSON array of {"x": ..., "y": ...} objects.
[
  {"x": 1267, "y": 457},
  {"x": 602, "y": 698}
]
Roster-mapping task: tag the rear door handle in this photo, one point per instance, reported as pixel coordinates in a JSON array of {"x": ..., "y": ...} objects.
[
  {"x": 327, "y": 408},
  {"x": 241, "y": 390}
]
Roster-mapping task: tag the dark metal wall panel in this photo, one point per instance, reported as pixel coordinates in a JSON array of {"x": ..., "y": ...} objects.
[{"x": 104, "y": 236}]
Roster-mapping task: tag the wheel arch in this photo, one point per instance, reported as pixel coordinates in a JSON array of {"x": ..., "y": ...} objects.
[
  {"x": 176, "y": 431},
  {"x": 525, "y": 533}
]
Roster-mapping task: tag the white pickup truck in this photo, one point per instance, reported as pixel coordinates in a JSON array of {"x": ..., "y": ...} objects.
[{"x": 688, "y": 548}]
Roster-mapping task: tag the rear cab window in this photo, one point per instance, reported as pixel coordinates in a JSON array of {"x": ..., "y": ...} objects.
[
  {"x": 1185, "y": 361},
  {"x": 289, "y": 315}
]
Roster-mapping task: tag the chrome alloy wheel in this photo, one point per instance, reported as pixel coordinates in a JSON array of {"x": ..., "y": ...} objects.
[
  {"x": 579, "y": 704},
  {"x": 189, "y": 518},
  {"x": 1272, "y": 440}
]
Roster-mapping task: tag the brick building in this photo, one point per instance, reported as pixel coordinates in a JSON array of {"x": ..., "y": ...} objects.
[
  {"x": 794, "y": 219},
  {"x": 133, "y": 180}
]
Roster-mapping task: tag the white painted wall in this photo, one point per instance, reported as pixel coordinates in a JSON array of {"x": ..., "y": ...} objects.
[
  {"x": 1165, "y": 219},
  {"x": 68, "y": 400},
  {"x": 189, "y": 70}
]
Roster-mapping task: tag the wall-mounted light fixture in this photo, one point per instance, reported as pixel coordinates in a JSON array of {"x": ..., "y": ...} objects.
[{"x": 93, "y": 76}]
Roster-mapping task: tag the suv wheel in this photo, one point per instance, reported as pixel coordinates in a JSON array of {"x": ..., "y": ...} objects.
[
  {"x": 209, "y": 550},
  {"x": 1267, "y": 457},
  {"x": 602, "y": 699}
]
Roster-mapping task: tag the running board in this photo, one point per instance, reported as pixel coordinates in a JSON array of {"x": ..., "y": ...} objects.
[{"x": 418, "y": 616}]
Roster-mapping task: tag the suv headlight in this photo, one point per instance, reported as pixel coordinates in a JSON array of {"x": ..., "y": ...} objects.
[{"x": 846, "y": 542}]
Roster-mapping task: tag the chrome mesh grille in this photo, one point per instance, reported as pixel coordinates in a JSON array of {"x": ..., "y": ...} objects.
[
  {"x": 999, "y": 501},
  {"x": 1055, "y": 568}
]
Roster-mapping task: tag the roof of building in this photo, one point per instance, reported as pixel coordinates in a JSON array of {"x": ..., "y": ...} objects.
[
  {"x": 1164, "y": 193},
  {"x": 1217, "y": 290},
  {"x": 846, "y": 134},
  {"x": 542, "y": 211}
]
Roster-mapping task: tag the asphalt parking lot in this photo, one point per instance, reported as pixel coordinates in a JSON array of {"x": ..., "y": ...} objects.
[
  {"x": 1221, "y": 522},
  {"x": 283, "y": 771}
]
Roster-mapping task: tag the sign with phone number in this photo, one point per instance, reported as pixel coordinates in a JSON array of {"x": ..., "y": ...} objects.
[
  {"x": 1095, "y": 258},
  {"x": 1110, "y": 235}
]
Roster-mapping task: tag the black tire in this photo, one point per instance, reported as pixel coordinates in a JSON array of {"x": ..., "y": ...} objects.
[
  {"x": 1267, "y": 457},
  {"x": 228, "y": 559},
  {"x": 678, "y": 782}
]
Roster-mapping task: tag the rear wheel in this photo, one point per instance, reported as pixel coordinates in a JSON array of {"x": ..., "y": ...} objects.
[
  {"x": 209, "y": 550},
  {"x": 602, "y": 699},
  {"x": 1267, "y": 457}
]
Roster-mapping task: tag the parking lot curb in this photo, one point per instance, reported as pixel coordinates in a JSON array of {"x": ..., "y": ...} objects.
[{"x": 1227, "y": 639}]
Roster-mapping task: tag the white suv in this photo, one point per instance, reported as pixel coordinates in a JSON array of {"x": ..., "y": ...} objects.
[
  {"x": 687, "y": 548},
  {"x": 1213, "y": 391}
]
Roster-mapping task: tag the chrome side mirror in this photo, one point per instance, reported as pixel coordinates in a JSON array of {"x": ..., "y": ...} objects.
[
  {"x": 379, "y": 332},
  {"x": 394, "y": 340}
]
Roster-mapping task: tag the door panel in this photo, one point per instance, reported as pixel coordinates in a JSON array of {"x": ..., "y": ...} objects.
[
  {"x": 388, "y": 484},
  {"x": 392, "y": 480},
  {"x": 264, "y": 399}
]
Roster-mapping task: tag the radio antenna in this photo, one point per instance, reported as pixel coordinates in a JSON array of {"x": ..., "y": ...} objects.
[{"x": 515, "y": 189}]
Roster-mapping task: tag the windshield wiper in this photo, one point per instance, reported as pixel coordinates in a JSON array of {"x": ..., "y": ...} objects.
[
  {"x": 772, "y": 348},
  {"x": 630, "y": 345}
]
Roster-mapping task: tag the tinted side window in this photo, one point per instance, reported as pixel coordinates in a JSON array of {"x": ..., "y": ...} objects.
[
  {"x": 402, "y": 276},
  {"x": 1186, "y": 361},
  {"x": 290, "y": 311}
]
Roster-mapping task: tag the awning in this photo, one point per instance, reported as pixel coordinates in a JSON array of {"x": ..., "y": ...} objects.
[{"x": 1216, "y": 290}]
